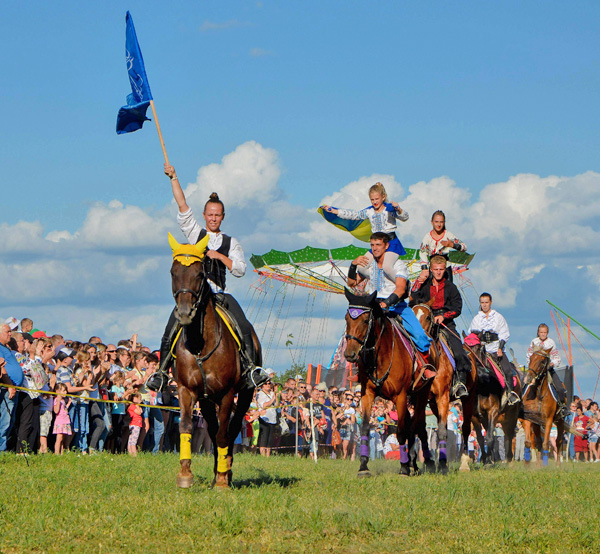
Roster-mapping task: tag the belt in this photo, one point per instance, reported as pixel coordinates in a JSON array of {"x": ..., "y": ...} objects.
[
  {"x": 439, "y": 311},
  {"x": 488, "y": 336}
]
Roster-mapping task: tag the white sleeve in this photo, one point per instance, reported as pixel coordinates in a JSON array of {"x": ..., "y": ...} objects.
[
  {"x": 453, "y": 238},
  {"x": 189, "y": 226},
  {"x": 503, "y": 332},
  {"x": 474, "y": 325},
  {"x": 403, "y": 216},
  {"x": 353, "y": 214},
  {"x": 529, "y": 353},
  {"x": 236, "y": 255},
  {"x": 554, "y": 355},
  {"x": 400, "y": 269}
]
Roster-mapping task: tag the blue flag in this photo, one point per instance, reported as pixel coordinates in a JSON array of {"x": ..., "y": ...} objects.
[{"x": 132, "y": 116}]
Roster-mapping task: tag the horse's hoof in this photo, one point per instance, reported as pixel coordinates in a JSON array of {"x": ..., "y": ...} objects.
[
  {"x": 430, "y": 466},
  {"x": 364, "y": 473},
  {"x": 185, "y": 481}
]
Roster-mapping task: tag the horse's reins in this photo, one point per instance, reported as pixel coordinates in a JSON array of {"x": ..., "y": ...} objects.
[{"x": 378, "y": 382}]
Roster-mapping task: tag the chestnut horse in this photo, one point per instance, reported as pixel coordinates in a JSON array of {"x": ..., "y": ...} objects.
[
  {"x": 385, "y": 369},
  {"x": 490, "y": 408},
  {"x": 440, "y": 396},
  {"x": 207, "y": 365},
  {"x": 539, "y": 399}
]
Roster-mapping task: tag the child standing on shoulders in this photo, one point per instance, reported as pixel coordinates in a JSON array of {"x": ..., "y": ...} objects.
[
  {"x": 62, "y": 422},
  {"x": 383, "y": 215},
  {"x": 135, "y": 412}
]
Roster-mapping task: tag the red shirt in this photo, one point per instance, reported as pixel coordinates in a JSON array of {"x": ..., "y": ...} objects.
[
  {"x": 437, "y": 294},
  {"x": 136, "y": 419}
]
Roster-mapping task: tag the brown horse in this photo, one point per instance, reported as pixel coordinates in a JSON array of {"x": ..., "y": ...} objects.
[
  {"x": 539, "y": 399},
  {"x": 208, "y": 366},
  {"x": 491, "y": 407},
  {"x": 385, "y": 368},
  {"x": 440, "y": 396}
]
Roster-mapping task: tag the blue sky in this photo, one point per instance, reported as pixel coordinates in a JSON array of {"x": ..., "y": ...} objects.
[{"x": 449, "y": 102}]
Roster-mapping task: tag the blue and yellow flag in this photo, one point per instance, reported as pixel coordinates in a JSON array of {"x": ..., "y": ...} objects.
[
  {"x": 359, "y": 229},
  {"x": 132, "y": 116}
]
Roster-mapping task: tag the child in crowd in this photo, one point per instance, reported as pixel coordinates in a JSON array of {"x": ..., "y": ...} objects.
[
  {"x": 117, "y": 392},
  {"x": 62, "y": 422},
  {"x": 135, "y": 412}
]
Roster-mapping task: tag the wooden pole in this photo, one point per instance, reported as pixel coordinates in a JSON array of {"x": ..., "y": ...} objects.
[
  {"x": 160, "y": 137},
  {"x": 309, "y": 374},
  {"x": 318, "y": 379}
]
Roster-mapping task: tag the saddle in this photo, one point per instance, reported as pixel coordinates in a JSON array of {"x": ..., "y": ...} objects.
[{"x": 419, "y": 363}]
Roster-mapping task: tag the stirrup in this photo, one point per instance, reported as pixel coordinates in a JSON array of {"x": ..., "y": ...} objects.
[
  {"x": 258, "y": 376},
  {"x": 513, "y": 398},
  {"x": 429, "y": 372},
  {"x": 460, "y": 390},
  {"x": 158, "y": 381}
]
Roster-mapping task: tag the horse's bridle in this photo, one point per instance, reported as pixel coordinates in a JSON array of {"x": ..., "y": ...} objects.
[
  {"x": 198, "y": 296},
  {"x": 362, "y": 309},
  {"x": 544, "y": 366}
]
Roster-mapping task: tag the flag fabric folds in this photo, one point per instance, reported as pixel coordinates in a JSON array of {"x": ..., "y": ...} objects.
[
  {"x": 359, "y": 229},
  {"x": 132, "y": 116}
]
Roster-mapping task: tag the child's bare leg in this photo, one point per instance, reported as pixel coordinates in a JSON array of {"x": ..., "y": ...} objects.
[
  {"x": 58, "y": 445},
  {"x": 43, "y": 445}
]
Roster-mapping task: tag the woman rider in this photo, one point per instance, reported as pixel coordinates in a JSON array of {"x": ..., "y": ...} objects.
[
  {"x": 225, "y": 253},
  {"x": 438, "y": 241}
]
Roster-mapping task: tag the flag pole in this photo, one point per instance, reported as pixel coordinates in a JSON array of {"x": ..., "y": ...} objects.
[{"x": 160, "y": 137}]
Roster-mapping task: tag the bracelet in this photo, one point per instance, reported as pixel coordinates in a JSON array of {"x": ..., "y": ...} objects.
[
  {"x": 174, "y": 178},
  {"x": 352, "y": 271}
]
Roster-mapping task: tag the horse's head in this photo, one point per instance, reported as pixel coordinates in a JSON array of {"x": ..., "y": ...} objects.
[
  {"x": 539, "y": 362},
  {"x": 424, "y": 313},
  {"x": 359, "y": 322},
  {"x": 188, "y": 280}
]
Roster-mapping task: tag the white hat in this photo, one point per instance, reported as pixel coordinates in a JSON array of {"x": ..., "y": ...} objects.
[{"x": 13, "y": 323}]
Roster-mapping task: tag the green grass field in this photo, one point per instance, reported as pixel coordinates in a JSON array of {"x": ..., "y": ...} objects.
[{"x": 110, "y": 503}]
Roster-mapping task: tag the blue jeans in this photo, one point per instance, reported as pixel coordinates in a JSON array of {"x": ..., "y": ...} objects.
[
  {"x": 7, "y": 415},
  {"x": 156, "y": 421},
  {"x": 83, "y": 412},
  {"x": 412, "y": 326}
]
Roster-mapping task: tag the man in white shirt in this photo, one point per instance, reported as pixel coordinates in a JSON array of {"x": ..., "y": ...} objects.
[{"x": 493, "y": 333}]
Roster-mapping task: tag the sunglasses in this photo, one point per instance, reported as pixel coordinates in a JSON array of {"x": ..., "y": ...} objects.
[{"x": 110, "y": 351}]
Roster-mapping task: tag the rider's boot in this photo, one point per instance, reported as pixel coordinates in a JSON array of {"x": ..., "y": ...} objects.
[
  {"x": 160, "y": 379},
  {"x": 513, "y": 397},
  {"x": 255, "y": 374},
  {"x": 460, "y": 387}
]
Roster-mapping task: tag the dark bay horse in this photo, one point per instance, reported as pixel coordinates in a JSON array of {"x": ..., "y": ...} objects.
[
  {"x": 440, "y": 396},
  {"x": 207, "y": 365},
  {"x": 385, "y": 369},
  {"x": 491, "y": 408},
  {"x": 539, "y": 399}
]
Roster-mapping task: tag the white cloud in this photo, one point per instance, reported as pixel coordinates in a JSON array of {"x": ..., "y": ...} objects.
[
  {"x": 528, "y": 273},
  {"x": 248, "y": 176}
]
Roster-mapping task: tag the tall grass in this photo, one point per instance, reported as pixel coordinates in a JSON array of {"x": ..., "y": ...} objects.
[{"x": 121, "y": 504}]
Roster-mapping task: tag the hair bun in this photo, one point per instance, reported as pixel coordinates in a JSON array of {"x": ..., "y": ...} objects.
[{"x": 214, "y": 197}]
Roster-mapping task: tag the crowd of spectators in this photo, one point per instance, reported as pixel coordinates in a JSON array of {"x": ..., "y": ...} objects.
[{"x": 94, "y": 397}]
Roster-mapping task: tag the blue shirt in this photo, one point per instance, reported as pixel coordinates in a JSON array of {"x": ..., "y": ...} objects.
[{"x": 13, "y": 368}]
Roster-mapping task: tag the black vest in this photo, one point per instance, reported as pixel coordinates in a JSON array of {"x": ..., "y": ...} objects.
[{"x": 216, "y": 270}]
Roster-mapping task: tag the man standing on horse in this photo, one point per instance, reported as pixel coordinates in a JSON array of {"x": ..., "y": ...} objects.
[
  {"x": 224, "y": 254},
  {"x": 391, "y": 294},
  {"x": 492, "y": 329},
  {"x": 446, "y": 307}
]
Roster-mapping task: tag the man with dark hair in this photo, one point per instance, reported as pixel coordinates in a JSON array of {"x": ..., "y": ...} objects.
[
  {"x": 447, "y": 306},
  {"x": 391, "y": 294},
  {"x": 493, "y": 333}
]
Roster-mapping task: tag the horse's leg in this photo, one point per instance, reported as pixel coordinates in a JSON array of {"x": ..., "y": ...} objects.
[
  {"x": 187, "y": 399},
  {"x": 235, "y": 425},
  {"x": 222, "y": 441},
  {"x": 443, "y": 407},
  {"x": 509, "y": 427},
  {"x": 467, "y": 406},
  {"x": 366, "y": 403},
  {"x": 492, "y": 416},
  {"x": 560, "y": 433},
  {"x": 480, "y": 439},
  {"x": 403, "y": 431},
  {"x": 209, "y": 412},
  {"x": 528, "y": 428},
  {"x": 421, "y": 432},
  {"x": 428, "y": 458}
]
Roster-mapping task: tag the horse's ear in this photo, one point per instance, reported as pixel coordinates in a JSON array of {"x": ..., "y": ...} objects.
[
  {"x": 548, "y": 350},
  {"x": 173, "y": 243},
  {"x": 371, "y": 298},
  {"x": 201, "y": 245}
]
